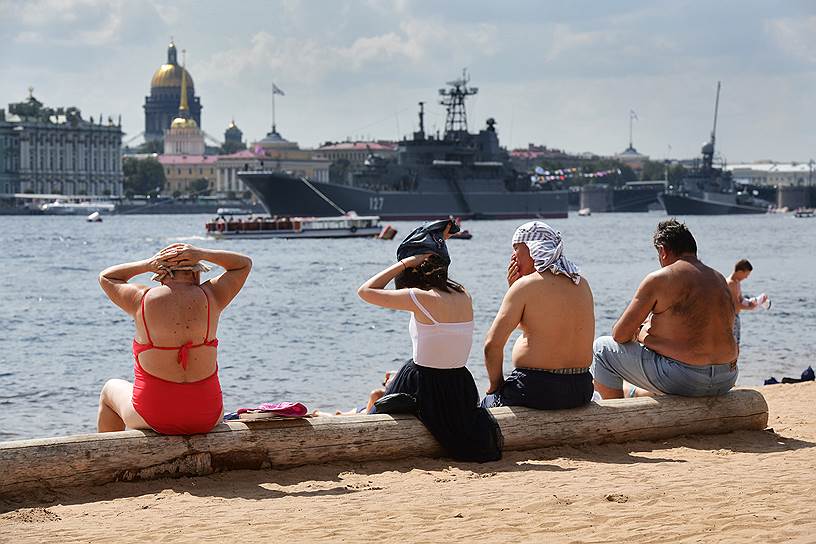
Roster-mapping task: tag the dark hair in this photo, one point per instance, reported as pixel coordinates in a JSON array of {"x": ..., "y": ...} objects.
[
  {"x": 744, "y": 265},
  {"x": 674, "y": 236},
  {"x": 431, "y": 274}
]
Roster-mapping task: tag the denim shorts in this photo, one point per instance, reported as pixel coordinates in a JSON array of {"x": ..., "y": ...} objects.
[
  {"x": 737, "y": 328},
  {"x": 613, "y": 362}
]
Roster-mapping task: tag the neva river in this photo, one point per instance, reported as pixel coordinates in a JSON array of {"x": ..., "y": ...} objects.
[{"x": 298, "y": 331}]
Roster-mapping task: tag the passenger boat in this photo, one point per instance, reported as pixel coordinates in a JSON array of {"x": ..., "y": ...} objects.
[
  {"x": 343, "y": 226},
  {"x": 65, "y": 207}
]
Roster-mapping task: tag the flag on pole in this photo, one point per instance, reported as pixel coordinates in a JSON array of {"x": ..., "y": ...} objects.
[
  {"x": 276, "y": 90},
  {"x": 633, "y": 115}
]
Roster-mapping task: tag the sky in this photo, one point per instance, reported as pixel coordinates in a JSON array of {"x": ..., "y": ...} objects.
[{"x": 554, "y": 73}]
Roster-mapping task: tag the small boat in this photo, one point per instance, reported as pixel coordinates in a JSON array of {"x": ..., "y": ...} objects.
[
  {"x": 387, "y": 233},
  {"x": 95, "y": 217},
  {"x": 803, "y": 212},
  {"x": 462, "y": 235},
  {"x": 63, "y": 207},
  {"x": 232, "y": 211},
  {"x": 584, "y": 212},
  {"x": 343, "y": 226}
]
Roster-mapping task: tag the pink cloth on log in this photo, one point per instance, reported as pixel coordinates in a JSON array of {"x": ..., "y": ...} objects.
[{"x": 282, "y": 409}]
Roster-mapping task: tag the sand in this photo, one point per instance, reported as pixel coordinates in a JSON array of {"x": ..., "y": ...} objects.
[{"x": 745, "y": 486}]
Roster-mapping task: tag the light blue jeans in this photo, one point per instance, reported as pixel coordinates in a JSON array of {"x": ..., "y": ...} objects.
[
  {"x": 737, "y": 328},
  {"x": 613, "y": 362}
]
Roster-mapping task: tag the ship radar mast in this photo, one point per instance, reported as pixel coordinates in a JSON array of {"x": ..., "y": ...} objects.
[
  {"x": 708, "y": 149},
  {"x": 453, "y": 98}
]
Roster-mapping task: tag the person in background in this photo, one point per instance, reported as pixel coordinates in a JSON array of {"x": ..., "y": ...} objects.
[
  {"x": 675, "y": 337},
  {"x": 552, "y": 304},
  {"x": 741, "y": 272},
  {"x": 176, "y": 388},
  {"x": 441, "y": 330}
]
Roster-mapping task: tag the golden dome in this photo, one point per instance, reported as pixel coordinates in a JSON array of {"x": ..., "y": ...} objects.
[
  {"x": 169, "y": 75},
  {"x": 181, "y": 122}
]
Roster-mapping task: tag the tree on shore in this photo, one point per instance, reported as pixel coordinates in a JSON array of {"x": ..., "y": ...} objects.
[{"x": 143, "y": 176}]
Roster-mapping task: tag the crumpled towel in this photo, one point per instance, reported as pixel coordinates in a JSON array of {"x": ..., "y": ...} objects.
[{"x": 280, "y": 409}]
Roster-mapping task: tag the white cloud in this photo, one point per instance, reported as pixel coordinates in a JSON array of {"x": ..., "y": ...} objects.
[{"x": 795, "y": 36}]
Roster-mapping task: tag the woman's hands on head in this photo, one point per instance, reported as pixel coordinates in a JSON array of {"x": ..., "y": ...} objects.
[
  {"x": 179, "y": 254},
  {"x": 415, "y": 260}
]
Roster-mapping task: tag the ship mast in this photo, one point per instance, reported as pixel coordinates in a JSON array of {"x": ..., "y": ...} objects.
[
  {"x": 454, "y": 101},
  {"x": 708, "y": 149}
]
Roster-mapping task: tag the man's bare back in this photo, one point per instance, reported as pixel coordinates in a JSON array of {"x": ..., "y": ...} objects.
[
  {"x": 551, "y": 302},
  {"x": 692, "y": 316},
  {"x": 557, "y": 320}
]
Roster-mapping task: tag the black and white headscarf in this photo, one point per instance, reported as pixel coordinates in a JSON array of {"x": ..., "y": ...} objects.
[{"x": 546, "y": 249}]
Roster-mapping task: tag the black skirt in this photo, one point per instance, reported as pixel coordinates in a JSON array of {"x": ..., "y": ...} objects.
[{"x": 448, "y": 405}]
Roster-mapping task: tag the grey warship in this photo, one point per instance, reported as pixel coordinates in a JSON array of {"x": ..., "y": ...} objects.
[
  {"x": 458, "y": 174},
  {"x": 708, "y": 190}
]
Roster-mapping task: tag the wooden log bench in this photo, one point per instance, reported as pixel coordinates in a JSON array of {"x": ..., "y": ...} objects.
[{"x": 94, "y": 459}]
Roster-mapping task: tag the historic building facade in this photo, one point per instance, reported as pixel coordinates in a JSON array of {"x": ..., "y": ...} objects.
[
  {"x": 9, "y": 157},
  {"x": 46, "y": 150},
  {"x": 162, "y": 105},
  {"x": 181, "y": 171},
  {"x": 273, "y": 152}
]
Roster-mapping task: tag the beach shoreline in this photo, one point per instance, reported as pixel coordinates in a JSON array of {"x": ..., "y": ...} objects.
[{"x": 745, "y": 485}]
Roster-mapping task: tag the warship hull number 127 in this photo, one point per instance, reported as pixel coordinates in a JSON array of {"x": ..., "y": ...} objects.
[{"x": 459, "y": 173}]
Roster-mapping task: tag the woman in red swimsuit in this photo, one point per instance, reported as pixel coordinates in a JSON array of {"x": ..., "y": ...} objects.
[{"x": 176, "y": 388}]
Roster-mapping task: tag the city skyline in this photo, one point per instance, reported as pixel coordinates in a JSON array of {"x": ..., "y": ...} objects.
[{"x": 562, "y": 76}]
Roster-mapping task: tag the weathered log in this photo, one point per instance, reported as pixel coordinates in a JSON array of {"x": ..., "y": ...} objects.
[{"x": 143, "y": 455}]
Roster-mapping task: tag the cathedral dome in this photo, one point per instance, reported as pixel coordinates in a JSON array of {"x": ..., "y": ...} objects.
[
  {"x": 181, "y": 122},
  {"x": 169, "y": 74}
]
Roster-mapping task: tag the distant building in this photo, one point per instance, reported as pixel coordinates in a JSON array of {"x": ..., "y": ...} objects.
[
  {"x": 181, "y": 171},
  {"x": 47, "y": 150},
  {"x": 356, "y": 153},
  {"x": 273, "y": 152},
  {"x": 233, "y": 137},
  {"x": 525, "y": 160},
  {"x": 773, "y": 173},
  {"x": 184, "y": 137},
  {"x": 631, "y": 158},
  {"x": 165, "y": 95},
  {"x": 9, "y": 157}
]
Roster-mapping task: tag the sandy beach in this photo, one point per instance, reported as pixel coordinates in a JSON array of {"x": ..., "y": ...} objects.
[{"x": 743, "y": 486}]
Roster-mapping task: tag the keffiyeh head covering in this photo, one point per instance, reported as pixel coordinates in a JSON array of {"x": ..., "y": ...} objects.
[
  {"x": 169, "y": 270},
  {"x": 546, "y": 249}
]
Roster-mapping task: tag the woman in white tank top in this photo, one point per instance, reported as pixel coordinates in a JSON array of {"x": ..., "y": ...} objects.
[{"x": 441, "y": 331}]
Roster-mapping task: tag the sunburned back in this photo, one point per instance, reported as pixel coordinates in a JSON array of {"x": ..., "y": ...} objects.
[
  {"x": 693, "y": 317},
  {"x": 558, "y": 322},
  {"x": 175, "y": 316}
]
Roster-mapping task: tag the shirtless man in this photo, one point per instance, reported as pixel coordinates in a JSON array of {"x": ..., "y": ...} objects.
[
  {"x": 675, "y": 337},
  {"x": 552, "y": 304},
  {"x": 741, "y": 272}
]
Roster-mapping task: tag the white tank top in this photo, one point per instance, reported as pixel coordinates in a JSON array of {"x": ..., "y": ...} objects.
[{"x": 440, "y": 345}]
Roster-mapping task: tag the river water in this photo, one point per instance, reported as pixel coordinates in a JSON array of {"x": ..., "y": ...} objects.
[{"x": 298, "y": 332}]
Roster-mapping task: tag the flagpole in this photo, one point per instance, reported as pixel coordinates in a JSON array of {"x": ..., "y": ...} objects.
[{"x": 273, "y": 109}]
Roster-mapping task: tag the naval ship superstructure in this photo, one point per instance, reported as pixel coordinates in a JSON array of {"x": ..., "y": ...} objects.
[{"x": 457, "y": 174}]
